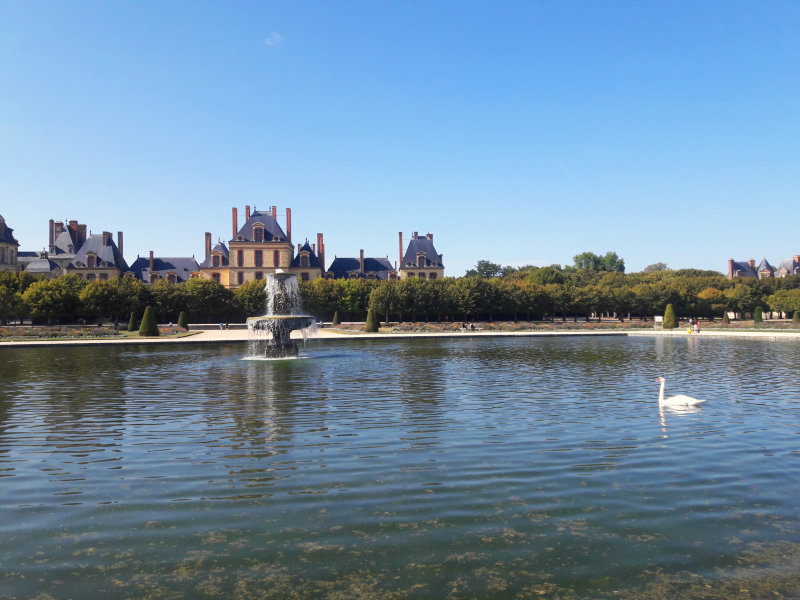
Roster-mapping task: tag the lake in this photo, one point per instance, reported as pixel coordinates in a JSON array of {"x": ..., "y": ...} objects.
[{"x": 425, "y": 468}]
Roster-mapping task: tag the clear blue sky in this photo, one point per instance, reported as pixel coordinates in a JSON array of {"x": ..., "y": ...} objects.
[{"x": 519, "y": 132}]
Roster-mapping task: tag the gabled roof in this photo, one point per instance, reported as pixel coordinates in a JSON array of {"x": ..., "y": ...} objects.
[
  {"x": 42, "y": 265},
  {"x": 743, "y": 269},
  {"x": 765, "y": 266},
  {"x": 182, "y": 267},
  {"x": 64, "y": 244},
  {"x": 271, "y": 228},
  {"x": 420, "y": 245},
  {"x": 223, "y": 250},
  {"x": 342, "y": 268},
  {"x": 789, "y": 265},
  {"x": 103, "y": 246},
  {"x": 6, "y": 233},
  {"x": 313, "y": 260}
]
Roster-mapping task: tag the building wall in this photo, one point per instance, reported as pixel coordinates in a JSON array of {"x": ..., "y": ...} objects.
[{"x": 8, "y": 257}]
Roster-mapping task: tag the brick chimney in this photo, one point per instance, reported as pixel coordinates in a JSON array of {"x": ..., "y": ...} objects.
[
  {"x": 106, "y": 238},
  {"x": 247, "y": 212},
  {"x": 429, "y": 236},
  {"x": 299, "y": 247},
  {"x": 81, "y": 233},
  {"x": 208, "y": 244},
  {"x": 72, "y": 227},
  {"x": 401, "y": 249},
  {"x": 119, "y": 247},
  {"x": 752, "y": 262},
  {"x": 321, "y": 253},
  {"x": 730, "y": 268},
  {"x": 275, "y": 212},
  {"x": 58, "y": 229},
  {"x": 289, "y": 225},
  {"x": 796, "y": 258},
  {"x": 52, "y": 234},
  {"x": 235, "y": 222},
  {"x": 151, "y": 265},
  {"x": 361, "y": 262},
  {"x": 416, "y": 235}
]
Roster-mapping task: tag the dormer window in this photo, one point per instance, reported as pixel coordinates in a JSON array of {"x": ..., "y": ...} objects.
[
  {"x": 215, "y": 260},
  {"x": 91, "y": 260},
  {"x": 275, "y": 238},
  {"x": 172, "y": 277},
  {"x": 304, "y": 260},
  {"x": 258, "y": 233},
  {"x": 421, "y": 259}
]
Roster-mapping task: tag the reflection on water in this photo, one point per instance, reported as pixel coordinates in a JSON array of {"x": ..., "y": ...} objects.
[{"x": 492, "y": 468}]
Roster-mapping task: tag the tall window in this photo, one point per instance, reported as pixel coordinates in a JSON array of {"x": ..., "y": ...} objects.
[
  {"x": 258, "y": 234},
  {"x": 239, "y": 258},
  {"x": 276, "y": 258},
  {"x": 240, "y": 277},
  {"x": 91, "y": 259},
  {"x": 215, "y": 261},
  {"x": 304, "y": 260},
  {"x": 90, "y": 277},
  {"x": 420, "y": 260},
  {"x": 259, "y": 275},
  {"x": 172, "y": 278},
  {"x": 215, "y": 277},
  {"x": 303, "y": 276},
  {"x": 259, "y": 258}
]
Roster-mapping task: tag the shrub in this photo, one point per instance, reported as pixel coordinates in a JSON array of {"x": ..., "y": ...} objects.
[
  {"x": 796, "y": 317},
  {"x": 182, "y": 320},
  {"x": 133, "y": 323},
  {"x": 335, "y": 318},
  {"x": 149, "y": 326},
  {"x": 372, "y": 323},
  {"x": 670, "y": 321},
  {"x": 758, "y": 315},
  {"x": 726, "y": 320}
]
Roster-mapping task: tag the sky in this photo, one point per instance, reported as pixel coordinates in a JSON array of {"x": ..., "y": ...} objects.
[{"x": 515, "y": 132}]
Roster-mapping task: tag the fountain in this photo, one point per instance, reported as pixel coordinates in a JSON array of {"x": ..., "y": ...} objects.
[{"x": 284, "y": 315}]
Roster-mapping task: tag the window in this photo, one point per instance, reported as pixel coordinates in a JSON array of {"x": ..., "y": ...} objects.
[
  {"x": 259, "y": 258},
  {"x": 420, "y": 260},
  {"x": 215, "y": 277},
  {"x": 410, "y": 275},
  {"x": 103, "y": 276},
  {"x": 259, "y": 275},
  {"x": 304, "y": 260},
  {"x": 303, "y": 276},
  {"x": 90, "y": 277},
  {"x": 215, "y": 261},
  {"x": 258, "y": 234},
  {"x": 2, "y": 256},
  {"x": 240, "y": 277},
  {"x": 172, "y": 278},
  {"x": 91, "y": 259},
  {"x": 239, "y": 258},
  {"x": 432, "y": 276},
  {"x": 276, "y": 258}
]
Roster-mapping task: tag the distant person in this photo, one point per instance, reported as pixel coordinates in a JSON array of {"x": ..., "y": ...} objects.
[{"x": 221, "y": 326}]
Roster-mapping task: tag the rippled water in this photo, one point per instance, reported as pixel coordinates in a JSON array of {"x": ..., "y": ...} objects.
[{"x": 460, "y": 468}]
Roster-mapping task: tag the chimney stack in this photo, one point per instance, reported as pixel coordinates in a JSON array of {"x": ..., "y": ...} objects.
[
  {"x": 752, "y": 262},
  {"x": 208, "y": 244},
  {"x": 106, "y": 237},
  {"x": 275, "y": 212},
  {"x": 361, "y": 262},
  {"x": 429, "y": 236},
  {"x": 730, "y": 268},
  {"x": 151, "y": 265},
  {"x": 298, "y": 248},
  {"x": 289, "y": 225},
  {"x": 401, "y": 250},
  {"x": 235, "y": 222},
  {"x": 119, "y": 247},
  {"x": 321, "y": 253},
  {"x": 59, "y": 229},
  {"x": 416, "y": 235},
  {"x": 81, "y": 233},
  {"x": 247, "y": 212},
  {"x": 52, "y": 234}
]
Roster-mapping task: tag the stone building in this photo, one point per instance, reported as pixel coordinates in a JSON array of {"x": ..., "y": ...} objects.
[
  {"x": 420, "y": 259},
  {"x": 154, "y": 268},
  {"x": 258, "y": 248},
  {"x": 9, "y": 247},
  {"x": 361, "y": 267},
  {"x": 99, "y": 258}
]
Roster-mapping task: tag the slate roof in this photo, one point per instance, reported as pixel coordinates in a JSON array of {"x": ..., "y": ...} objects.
[
  {"x": 743, "y": 269},
  {"x": 343, "y": 267},
  {"x": 107, "y": 253},
  {"x": 421, "y": 244},
  {"x": 64, "y": 242},
  {"x": 42, "y": 265},
  {"x": 271, "y": 228},
  {"x": 765, "y": 266},
  {"x": 789, "y": 266},
  {"x": 6, "y": 233},
  {"x": 182, "y": 267},
  {"x": 313, "y": 260},
  {"x": 222, "y": 249}
]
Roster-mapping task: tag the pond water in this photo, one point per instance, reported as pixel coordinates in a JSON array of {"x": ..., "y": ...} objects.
[{"x": 423, "y": 468}]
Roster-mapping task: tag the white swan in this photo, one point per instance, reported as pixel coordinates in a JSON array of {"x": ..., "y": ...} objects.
[{"x": 680, "y": 400}]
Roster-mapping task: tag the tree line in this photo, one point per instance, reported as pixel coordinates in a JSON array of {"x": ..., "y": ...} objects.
[{"x": 526, "y": 293}]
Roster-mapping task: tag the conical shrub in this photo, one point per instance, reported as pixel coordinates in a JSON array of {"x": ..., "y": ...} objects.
[
  {"x": 796, "y": 317},
  {"x": 149, "y": 327},
  {"x": 670, "y": 321},
  {"x": 726, "y": 320},
  {"x": 335, "y": 318},
  {"x": 182, "y": 320},
  {"x": 372, "y": 323},
  {"x": 758, "y": 316},
  {"x": 133, "y": 324}
]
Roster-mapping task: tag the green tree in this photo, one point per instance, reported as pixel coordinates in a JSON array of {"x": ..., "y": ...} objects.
[
  {"x": 758, "y": 317},
  {"x": 149, "y": 327},
  {"x": 206, "y": 301},
  {"x": 251, "y": 299},
  {"x": 485, "y": 269},
  {"x": 547, "y": 275},
  {"x": 372, "y": 324},
  {"x": 670, "y": 320},
  {"x": 133, "y": 324},
  {"x": 100, "y": 299},
  {"x": 335, "y": 320},
  {"x": 659, "y": 266},
  {"x": 53, "y": 300},
  {"x": 182, "y": 320}
]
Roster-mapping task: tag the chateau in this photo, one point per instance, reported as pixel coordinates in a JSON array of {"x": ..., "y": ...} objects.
[
  {"x": 764, "y": 270},
  {"x": 256, "y": 248}
]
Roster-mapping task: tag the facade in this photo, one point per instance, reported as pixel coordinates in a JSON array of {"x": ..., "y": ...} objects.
[
  {"x": 98, "y": 258},
  {"x": 174, "y": 270},
  {"x": 789, "y": 266},
  {"x": 258, "y": 248},
  {"x": 361, "y": 267},
  {"x": 741, "y": 269},
  {"x": 420, "y": 259},
  {"x": 9, "y": 247}
]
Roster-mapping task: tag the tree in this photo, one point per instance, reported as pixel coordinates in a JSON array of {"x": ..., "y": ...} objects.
[
  {"x": 485, "y": 269},
  {"x": 149, "y": 327},
  {"x": 593, "y": 262},
  {"x": 796, "y": 317},
  {"x": 372, "y": 323},
  {"x": 251, "y": 298},
  {"x": 655, "y": 267},
  {"x": 758, "y": 315},
  {"x": 335, "y": 320},
  {"x": 547, "y": 275},
  {"x": 670, "y": 321},
  {"x": 182, "y": 320},
  {"x": 133, "y": 324},
  {"x": 53, "y": 299},
  {"x": 100, "y": 299},
  {"x": 206, "y": 301}
]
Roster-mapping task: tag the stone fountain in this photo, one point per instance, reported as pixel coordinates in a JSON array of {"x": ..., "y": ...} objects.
[{"x": 283, "y": 315}]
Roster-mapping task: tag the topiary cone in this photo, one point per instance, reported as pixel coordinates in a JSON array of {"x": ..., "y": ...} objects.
[
  {"x": 149, "y": 327},
  {"x": 670, "y": 321}
]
